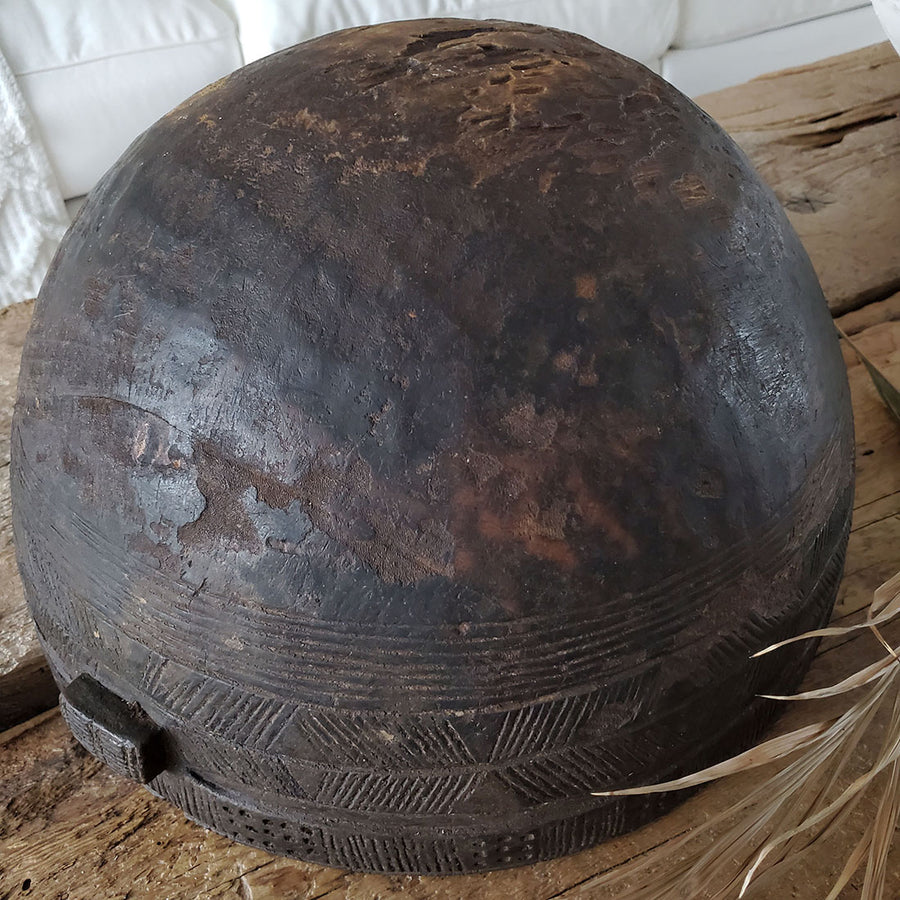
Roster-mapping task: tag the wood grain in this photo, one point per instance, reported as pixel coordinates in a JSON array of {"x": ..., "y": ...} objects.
[
  {"x": 69, "y": 828},
  {"x": 825, "y": 137},
  {"x": 26, "y": 687},
  {"x": 877, "y": 448}
]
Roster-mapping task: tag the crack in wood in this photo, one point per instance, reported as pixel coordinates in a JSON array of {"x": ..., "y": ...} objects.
[
  {"x": 828, "y": 137},
  {"x": 434, "y": 40},
  {"x": 578, "y": 885},
  {"x": 231, "y": 882},
  {"x": 337, "y": 885},
  {"x": 874, "y": 294},
  {"x": 807, "y": 202},
  {"x": 892, "y": 515},
  {"x": 869, "y": 503}
]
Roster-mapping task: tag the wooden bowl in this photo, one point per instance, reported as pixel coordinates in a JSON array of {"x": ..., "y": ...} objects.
[{"x": 420, "y": 429}]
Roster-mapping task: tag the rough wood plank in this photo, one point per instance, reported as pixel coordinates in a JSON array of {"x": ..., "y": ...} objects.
[
  {"x": 825, "y": 137},
  {"x": 877, "y": 444},
  {"x": 887, "y": 310},
  {"x": 872, "y": 552},
  {"x": 872, "y": 557},
  {"x": 26, "y": 686},
  {"x": 72, "y": 828}
]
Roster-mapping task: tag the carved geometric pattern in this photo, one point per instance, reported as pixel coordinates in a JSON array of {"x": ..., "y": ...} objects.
[
  {"x": 153, "y": 671},
  {"x": 255, "y": 770},
  {"x": 211, "y": 705},
  {"x": 229, "y": 711},
  {"x": 424, "y": 741},
  {"x": 358, "y": 852},
  {"x": 335, "y": 841},
  {"x": 551, "y": 755},
  {"x": 360, "y": 740},
  {"x": 347, "y": 740},
  {"x": 537, "y": 751},
  {"x": 570, "y": 773},
  {"x": 419, "y": 794},
  {"x": 535, "y": 729}
]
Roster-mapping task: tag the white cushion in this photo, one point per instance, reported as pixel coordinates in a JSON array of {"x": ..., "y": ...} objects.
[
  {"x": 96, "y": 73},
  {"x": 642, "y": 29},
  {"x": 889, "y": 13},
  {"x": 704, "y": 22},
  {"x": 703, "y": 69}
]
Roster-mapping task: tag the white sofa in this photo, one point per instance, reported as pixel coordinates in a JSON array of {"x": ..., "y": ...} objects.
[{"x": 95, "y": 73}]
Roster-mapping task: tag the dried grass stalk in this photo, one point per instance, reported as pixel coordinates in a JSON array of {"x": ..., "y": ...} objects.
[
  {"x": 796, "y": 809},
  {"x": 889, "y": 394}
]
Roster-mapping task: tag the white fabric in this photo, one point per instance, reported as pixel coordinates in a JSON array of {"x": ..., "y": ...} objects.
[
  {"x": 32, "y": 216},
  {"x": 704, "y": 22},
  {"x": 50, "y": 34},
  {"x": 703, "y": 69},
  {"x": 642, "y": 29},
  {"x": 888, "y": 12},
  {"x": 96, "y": 73}
]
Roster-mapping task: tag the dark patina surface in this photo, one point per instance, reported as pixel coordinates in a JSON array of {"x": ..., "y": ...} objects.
[{"x": 419, "y": 429}]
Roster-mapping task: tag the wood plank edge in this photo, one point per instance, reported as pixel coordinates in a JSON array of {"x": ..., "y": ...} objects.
[{"x": 34, "y": 722}]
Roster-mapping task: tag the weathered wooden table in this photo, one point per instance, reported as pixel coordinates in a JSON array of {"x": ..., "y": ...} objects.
[{"x": 826, "y": 137}]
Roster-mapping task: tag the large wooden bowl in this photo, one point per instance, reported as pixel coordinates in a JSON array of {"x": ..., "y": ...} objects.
[{"x": 419, "y": 429}]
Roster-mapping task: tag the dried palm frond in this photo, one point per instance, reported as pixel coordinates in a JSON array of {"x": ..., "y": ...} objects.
[{"x": 798, "y": 807}]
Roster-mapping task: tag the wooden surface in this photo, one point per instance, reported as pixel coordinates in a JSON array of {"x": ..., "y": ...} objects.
[
  {"x": 71, "y": 829},
  {"x": 826, "y": 138},
  {"x": 26, "y": 687}
]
